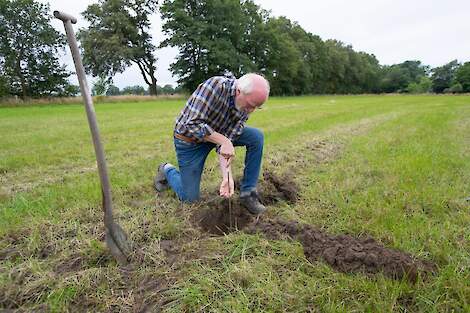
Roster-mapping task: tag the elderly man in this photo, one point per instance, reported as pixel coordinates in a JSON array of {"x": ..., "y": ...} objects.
[{"x": 215, "y": 117}]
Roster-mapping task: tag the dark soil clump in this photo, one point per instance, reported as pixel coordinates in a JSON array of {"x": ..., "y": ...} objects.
[
  {"x": 274, "y": 189},
  {"x": 346, "y": 253},
  {"x": 221, "y": 218}
]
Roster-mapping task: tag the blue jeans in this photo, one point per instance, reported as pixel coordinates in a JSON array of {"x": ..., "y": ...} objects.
[{"x": 191, "y": 158}]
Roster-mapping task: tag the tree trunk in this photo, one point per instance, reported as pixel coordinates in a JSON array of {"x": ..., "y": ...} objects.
[
  {"x": 153, "y": 85},
  {"x": 153, "y": 88},
  {"x": 147, "y": 68}
]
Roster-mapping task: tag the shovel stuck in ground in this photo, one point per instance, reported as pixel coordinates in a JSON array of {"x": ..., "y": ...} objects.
[{"x": 116, "y": 238}]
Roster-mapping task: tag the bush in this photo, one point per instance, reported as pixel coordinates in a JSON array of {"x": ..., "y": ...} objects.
[
  {"x": 113, "y": 91},
  {"x": 456, "y": 88},
  {"x": 423, "y": 86},
  {"x": 133, "y": 90}
]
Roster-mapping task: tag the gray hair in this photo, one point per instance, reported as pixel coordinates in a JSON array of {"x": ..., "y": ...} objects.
[{"x": 246, "y": 82}]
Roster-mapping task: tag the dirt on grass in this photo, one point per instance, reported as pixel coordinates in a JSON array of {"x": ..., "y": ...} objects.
[
  {"x": 224, "y": 216},
  {"x": 344, "y": 253},
  {"x": 274, "y": 188}
]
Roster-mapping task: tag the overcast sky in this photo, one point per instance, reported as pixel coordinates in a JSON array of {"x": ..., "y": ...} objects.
[{"x": 432, "y": 31}]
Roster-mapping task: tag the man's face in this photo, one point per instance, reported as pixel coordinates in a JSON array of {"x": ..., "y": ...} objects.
[
  {"x": 249, "y": 103},
  {"x": 246, "y": 103}
]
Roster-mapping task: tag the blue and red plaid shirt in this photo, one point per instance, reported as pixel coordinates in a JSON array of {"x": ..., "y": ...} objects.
[{"x": 211, "y": 108}]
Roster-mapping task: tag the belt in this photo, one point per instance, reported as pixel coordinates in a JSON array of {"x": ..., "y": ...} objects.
[{"x": 184, "y": 138}]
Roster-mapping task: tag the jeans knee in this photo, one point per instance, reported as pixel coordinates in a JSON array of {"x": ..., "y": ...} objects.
[
  {"x": 189, "y": 195},
  {"x": 258, "y": 138}
]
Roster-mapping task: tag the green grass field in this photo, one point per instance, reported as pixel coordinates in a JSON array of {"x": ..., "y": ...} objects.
[{"x": 396, "y": 168}]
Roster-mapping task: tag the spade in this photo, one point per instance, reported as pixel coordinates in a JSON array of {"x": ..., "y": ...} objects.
[{"x": 116, "y": 238}]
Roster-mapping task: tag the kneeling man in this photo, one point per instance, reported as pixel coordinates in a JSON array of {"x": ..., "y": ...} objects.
[{"x": 215, "y": 117}]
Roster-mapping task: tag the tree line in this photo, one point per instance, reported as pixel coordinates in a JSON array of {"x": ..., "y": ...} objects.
[
  {"x": 212, "y": 37},
  {"x": 104, "y": 87}
]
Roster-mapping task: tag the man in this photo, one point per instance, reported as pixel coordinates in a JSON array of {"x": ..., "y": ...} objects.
[{"x": 215, "y": 117}]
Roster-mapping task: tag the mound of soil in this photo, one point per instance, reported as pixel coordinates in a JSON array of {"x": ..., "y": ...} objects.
[
  {"x": 274, "y": 189},
  {"x": 346, "y": 253}
]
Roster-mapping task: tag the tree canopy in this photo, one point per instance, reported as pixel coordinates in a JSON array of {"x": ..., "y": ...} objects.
[
  {"x": 118, "y": 36},
  {"x": 212, "y": 37},
  {"x": 29, "y": 65},
  {"x": 443, "y": 76},
  {"x": 462, "y": 76}
]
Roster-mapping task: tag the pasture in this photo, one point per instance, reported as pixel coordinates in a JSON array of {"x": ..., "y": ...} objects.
[{"x": 387, "y": 170}]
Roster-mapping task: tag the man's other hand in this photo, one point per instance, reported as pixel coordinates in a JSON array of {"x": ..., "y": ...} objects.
[{"x": 227, "y": 188}]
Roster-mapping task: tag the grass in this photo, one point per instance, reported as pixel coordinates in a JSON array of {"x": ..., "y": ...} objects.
[
  {"x": 393, "y": 167},
  {"x": 18, "y": 102}
]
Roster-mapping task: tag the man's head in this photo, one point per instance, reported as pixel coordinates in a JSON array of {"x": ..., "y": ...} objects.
[{"x": 252, "y": 90}]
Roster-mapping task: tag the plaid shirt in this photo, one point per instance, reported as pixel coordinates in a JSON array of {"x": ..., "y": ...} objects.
[{"x": 211, "y": 108}]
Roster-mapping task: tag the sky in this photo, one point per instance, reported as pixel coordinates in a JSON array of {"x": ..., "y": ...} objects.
[{"x": 432, "y": 31}]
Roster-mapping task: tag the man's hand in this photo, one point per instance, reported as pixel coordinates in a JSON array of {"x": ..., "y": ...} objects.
[
  {"x": 226, "y": 154},
  {"x": 227, "y": 151},
  {"x": 227, "y": 187}
]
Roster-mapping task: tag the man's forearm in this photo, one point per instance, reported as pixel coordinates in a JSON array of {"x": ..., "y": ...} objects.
[
  {"x": 216, "y": 138},
  {"x": 224, "y": 159}
]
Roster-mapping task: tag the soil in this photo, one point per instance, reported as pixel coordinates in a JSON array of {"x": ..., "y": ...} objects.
[
  {"x": 222, "y": 217},
  {"x": 344, "y": 253},
  {"x": 274, "y": 189}
]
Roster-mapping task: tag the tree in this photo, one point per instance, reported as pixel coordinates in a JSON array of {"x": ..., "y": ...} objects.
[
  {"x": 462, "y": 76},
  {"x": 4, "y": 90},
  {"x": 455, "y": 88},
  {"x": 133, "y": 90},
  {"x": 284, "y": 58},
  {"x": 212, "y": 36},
  {"x": 397, "y": 77},
  {"x": 119, "y": 36},
  {"x": 71, "y": 91},
  {"x": 100, "y": 87},
  {"x": 3, "y": 87},
  {"x": 443, "y": 77},
  {"x": 28, "y": 48},
  {"x": 423, "y": 86},
  {"x": 113, "y": 91},
  {"x": 168, "y": 89}
]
